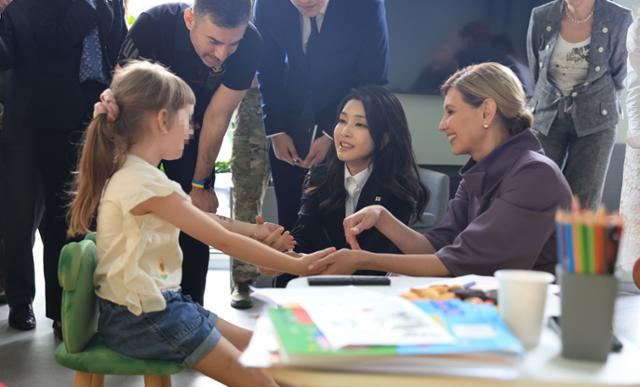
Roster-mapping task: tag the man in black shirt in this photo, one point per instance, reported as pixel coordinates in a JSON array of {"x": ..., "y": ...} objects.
[{"x": 214, "y": 48}]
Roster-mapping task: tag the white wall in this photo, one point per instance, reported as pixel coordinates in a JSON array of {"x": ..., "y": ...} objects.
[{"x": 424, "y": 113}]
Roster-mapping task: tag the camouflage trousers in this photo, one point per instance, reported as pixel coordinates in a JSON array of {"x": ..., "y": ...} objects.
[{"x": 249, "y": 172}]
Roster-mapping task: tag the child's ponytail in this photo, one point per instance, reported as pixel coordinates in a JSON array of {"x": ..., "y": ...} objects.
[{"x": 100, "y": 158}]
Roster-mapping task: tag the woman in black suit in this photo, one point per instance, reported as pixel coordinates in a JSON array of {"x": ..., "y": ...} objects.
[{"x": 372, "y": 162}]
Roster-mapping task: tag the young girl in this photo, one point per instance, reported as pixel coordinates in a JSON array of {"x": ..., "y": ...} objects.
[
  {"x": 142, "y": 119},
  {"x": 372, "y": 162}
]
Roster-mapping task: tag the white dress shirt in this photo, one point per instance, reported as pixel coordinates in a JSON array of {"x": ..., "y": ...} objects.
[{"x": 353, "y": 185}]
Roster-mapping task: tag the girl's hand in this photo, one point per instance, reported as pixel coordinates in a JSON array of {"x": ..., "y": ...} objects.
[
  {"x": 279, "y": 240},
  {"x": 362, "y": 220},
  {"x": 343, "y": 261},
  {"x": 273, "y": 235},
  {"x": 307, "y": 264}
]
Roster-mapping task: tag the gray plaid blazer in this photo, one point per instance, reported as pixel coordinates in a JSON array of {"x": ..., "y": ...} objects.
[{"x": 595, "y": 101}]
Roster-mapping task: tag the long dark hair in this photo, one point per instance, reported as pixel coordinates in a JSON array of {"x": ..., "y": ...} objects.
[{"x": 392, "y": 158}]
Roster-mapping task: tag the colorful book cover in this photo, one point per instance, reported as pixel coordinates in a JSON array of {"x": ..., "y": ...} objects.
[{"x": 477, "y": 329}]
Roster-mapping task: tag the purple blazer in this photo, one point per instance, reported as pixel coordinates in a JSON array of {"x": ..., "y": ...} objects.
[{"x": 503, "y": 214}]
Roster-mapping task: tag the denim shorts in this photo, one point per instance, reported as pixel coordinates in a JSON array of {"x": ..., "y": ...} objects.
[{"x": 184, "y": 332}]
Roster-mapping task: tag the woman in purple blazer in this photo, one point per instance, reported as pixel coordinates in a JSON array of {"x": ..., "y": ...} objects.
[{"x": 502, "y": 216}]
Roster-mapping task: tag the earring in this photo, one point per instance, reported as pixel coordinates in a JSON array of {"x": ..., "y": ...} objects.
[{"x": 486, "y": 126}]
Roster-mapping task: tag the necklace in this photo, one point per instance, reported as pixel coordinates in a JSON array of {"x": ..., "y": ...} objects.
[{"x": 577, "y": 21}]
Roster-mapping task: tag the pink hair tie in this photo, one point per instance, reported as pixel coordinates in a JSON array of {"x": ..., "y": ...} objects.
[{"x": 107, "y": 105}]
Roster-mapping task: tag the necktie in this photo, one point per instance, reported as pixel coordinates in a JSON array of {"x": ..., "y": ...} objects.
[
  {"x": 313, "y": 37},
  {"x": 91, "y": 67}
]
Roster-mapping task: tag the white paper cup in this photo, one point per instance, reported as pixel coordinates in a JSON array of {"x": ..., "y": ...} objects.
[{"x": 522, "y": 295}]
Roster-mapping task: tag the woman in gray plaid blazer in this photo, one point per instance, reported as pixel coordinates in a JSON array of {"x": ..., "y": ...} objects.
[{"x": 577, "y": 54}]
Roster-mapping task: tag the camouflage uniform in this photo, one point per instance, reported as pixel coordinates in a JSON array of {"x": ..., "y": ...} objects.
[{"x": 250, "y": 172}]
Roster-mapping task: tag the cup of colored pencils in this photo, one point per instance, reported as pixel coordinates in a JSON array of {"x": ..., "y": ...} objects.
[
  {"x": 587, "y": 241},
  {"x": 587, "y": 248}
]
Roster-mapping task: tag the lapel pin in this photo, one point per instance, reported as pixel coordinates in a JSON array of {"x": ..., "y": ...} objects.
[{"x": 377, "y": 199}]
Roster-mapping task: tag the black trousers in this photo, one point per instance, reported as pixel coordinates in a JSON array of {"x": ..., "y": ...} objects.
[
  {"x": 22, "y": 205},
  {"x": 36, "y": 181},
  {"x": 35, "y": 178},
  {"x": 195, "y": 261},
  {"x": 287, "y": 183}
]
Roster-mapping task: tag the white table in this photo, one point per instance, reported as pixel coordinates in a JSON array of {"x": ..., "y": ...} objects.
[{"x": 541, "y": 366}]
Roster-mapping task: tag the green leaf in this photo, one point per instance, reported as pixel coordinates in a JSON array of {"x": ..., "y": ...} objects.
[{"x": 223, "y": 166}]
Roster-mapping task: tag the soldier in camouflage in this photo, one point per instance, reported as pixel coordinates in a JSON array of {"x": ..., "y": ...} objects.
[{"x": 250, "y": 172}]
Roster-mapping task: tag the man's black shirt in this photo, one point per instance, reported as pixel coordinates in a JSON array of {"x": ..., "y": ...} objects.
[{"x": 160, "y": 35}]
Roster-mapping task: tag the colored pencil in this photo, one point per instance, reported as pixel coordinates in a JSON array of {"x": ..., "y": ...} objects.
[
  {"x": 588, "y": 242},
  {"x": 600, "y": 224},
  {"x": 561, "y": 250},
  {"x": 568, "y": 239},
  {"x": 576, "y": 236}
]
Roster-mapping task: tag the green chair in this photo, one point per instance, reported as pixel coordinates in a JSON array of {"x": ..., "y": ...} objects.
[{"x": 82, "y": 349}]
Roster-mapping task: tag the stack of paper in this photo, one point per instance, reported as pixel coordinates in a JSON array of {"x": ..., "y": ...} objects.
[{"x": 367, "y": 331}]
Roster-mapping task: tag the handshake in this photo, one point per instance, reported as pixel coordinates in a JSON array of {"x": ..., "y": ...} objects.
[{"x": 327, "y": 261}]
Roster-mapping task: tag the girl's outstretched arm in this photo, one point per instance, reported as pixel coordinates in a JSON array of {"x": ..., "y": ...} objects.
[
  {"x": 268, "y": 233},
  {"x": 348, "y": 261},
  {"x": 182, "y": 214}
]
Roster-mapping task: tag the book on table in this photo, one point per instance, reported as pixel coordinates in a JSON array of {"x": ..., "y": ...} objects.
[{"x": 478, "y": 335}]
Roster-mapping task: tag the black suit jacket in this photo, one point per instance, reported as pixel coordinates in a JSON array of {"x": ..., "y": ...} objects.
[
  {"x": 352, "y": 50},
  {"x": 42, "y": 41},
  {"x": 17, "y": 52},
  {"x": 317, "y": 229}
]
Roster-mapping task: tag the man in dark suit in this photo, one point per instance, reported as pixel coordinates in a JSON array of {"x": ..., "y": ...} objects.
[
  {"x": 315, "y": 52},
  {"x": 62, "y": 53}
]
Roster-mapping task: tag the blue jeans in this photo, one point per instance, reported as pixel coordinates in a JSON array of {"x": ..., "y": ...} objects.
[{"x": 184, "y": 332}]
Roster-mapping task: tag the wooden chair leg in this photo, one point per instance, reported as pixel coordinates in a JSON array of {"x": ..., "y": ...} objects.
[
  {"x": 97, "y": 380},
  {"x": 83, "y": 379},
  {"x": 152, "y": 381},
  {"x": 166, "y": 381}
]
